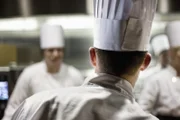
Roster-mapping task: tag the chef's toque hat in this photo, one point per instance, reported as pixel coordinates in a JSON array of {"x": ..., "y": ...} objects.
[
  {"x": 123, "y": 25},
  {"x": 173, "y": 33},
  {"x": 159, "y": 44},
  {"x": 51, "y": 36}
]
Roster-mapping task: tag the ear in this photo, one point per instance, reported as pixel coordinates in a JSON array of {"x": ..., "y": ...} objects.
[
  {"x": 146, "y": 62},
  {"x": 93, "y": 58}
]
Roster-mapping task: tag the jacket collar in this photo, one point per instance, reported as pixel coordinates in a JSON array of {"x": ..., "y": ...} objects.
[{"x": 113, "y": 82}]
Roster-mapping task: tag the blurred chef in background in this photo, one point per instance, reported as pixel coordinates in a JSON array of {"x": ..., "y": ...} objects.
[
  {"x": 160, "y": 46},
  {"x": 161, "y": 95},
  {"x": 49, "y": 74}
]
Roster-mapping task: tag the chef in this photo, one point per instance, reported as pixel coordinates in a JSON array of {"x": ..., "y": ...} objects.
[
  {"x": 160, "y": 46},
  {"x": 161, "y": 95},
  {"x": 122, "y": 29},
  {"x": 48, "y": 74}
]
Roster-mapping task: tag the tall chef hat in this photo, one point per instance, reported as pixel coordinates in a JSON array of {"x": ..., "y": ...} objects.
[
  {"x": 173, "y": 33},
  {"x": 123, "y": 25},
  {"x": 160, "y": 43},
  {"x": 51, "y": 36}
]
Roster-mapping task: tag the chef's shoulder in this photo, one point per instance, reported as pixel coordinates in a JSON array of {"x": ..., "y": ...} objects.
[
  {"x": 34, "y": 68},
  {"x": 65, "y": 99},
  {"x": 72, "y": 70},
  {"x": 89, "y": 103},
  {"x": 67, "y": 94}
]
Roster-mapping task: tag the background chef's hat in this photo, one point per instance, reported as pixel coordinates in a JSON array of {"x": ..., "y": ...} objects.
[
  {"x": 159, "y": 44},
  {"x": 173, "y": 33},
  {"x": 123, "y": 25},
  {"x": 51, "y": 36}
]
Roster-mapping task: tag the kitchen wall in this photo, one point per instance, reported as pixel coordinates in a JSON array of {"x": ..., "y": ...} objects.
[{"x": 8, "y": 53}]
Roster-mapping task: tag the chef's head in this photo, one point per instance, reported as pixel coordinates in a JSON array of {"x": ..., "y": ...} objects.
[
  {"x": 122, "y": 31},
  {"x": 52, "y": 43},
  {"x": 160, "y": 45},
  {"x": 173, "y": 33}
]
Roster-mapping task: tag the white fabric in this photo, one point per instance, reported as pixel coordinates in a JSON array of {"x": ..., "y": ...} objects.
[
  {"x": 35, "y": 79},
  {"x": 159, "y": 44},
  {"x": 89, "y": 102},
  {"x": 144, "y": 77},
  {"x": 172, "y": 31},
  {"x": 52, "y": 36},
  {"x": 161, "y": 94},
  {"x": 123, "y": 25}
]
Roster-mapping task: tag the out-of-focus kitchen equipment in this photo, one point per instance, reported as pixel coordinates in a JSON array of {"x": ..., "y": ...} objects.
[
  {"x": 8, "y": 78},
  {"x": 24, "y": 8},
  {"x": 168, "y": 6},
  {"x": 4, "y": 88}
]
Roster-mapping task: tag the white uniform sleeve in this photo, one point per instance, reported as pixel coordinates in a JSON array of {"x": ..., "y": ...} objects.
[
  {"x": 149, "y": 95},
  {"x": 20, "y": 93}
]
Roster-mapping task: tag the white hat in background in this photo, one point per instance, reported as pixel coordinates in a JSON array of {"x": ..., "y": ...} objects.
[
  {"x": 123, "y": 25},
  {"x": 51, "y": 36},
  {"x": 173, "y": 33},
  {"x": 160, "y": 43}
]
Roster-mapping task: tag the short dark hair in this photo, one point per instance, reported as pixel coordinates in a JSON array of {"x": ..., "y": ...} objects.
[{"x": 119, "y": 63}]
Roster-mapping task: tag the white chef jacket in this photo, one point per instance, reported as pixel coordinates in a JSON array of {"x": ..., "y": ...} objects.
[
  {"x": 35, "y": 79},
  {"x": 145, "y": 76},
  {"x": 105, "y": 97},
  {"x": 161, "y": 94}
]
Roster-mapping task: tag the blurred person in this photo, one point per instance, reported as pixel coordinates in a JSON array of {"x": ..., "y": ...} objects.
[
  {"x": 49, "y": 74},
  {"x": 160, "y": 46},
  {"x": 122, "y": 29},
  {"x": 161, "y": 95}
]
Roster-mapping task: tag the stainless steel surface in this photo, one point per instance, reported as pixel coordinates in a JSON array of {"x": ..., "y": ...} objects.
[
  {"x": 89, "y": 8},
  {"x": 163, "y": 6},
  {"x": 29, "y": 27},
  {"x": 25, "y": 7}
]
